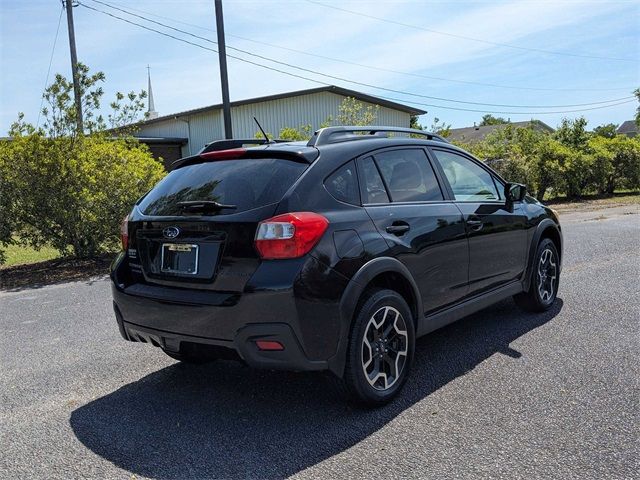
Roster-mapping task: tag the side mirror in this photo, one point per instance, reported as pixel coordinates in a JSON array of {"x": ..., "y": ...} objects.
[{"x": 514, "y": 192}]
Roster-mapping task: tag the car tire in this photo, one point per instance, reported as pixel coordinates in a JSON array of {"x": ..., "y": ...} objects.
[
  {"x": 189, "y": 357},
  {"x": 545, "y": 278},
  {"x": 381, "y": 347}
]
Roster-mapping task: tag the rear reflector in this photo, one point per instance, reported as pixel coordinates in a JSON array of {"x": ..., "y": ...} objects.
[
  {"x": 269, "y": 345},
  {"x": 224, "y": 154},
  {"x": 290, "y": 235}
]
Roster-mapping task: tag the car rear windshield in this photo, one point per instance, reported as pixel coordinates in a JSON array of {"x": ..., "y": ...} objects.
[{"x": 244, "y": 184}]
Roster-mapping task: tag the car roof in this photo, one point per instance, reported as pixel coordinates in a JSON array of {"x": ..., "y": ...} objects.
[
  {"x": 343, "y": 143},
  {"x": 335, "y": 154}
]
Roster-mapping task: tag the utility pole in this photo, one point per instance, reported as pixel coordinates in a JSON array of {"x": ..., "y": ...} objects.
[
  {"x": 222, "y": 59},
  {"x": 74, "y": 66}
]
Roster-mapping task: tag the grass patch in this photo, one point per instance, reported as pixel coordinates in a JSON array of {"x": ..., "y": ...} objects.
[
  {"x": 593, "y": 202},
  {"x": 20, "y": 255}
]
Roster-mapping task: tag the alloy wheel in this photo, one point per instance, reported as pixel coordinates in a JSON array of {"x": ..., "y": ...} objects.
[
  {"x": 547, "y": 274},
  {"x": 384, "y": 348}
]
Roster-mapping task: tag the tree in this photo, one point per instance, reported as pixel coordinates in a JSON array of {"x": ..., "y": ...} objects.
[
  {"x": 599, "y": 149},
  {"x": 302, "y": 133},
  {"x": 73, "y": 192},
  {"x": 573, "y": 133},
  {"x": 440, "y": 128},
  {"x": 60, "y": 114},
  {"x": 625, "y": 168},
  {"x": 296, "y": 134},
  {"x": 124, "y": 115},
  {"x": 354, "y": 112},
  {"x": 70, "y": 189},
  {"x": 60, "y": 111},
  {"x": 489, "y": 119},
  {"x": 572, "y": 161},
  {"x": 615, "y": 163},
  {"x": 606, "y": 130},
  {"x": 413, "y": 123},
  {"x": 548, "y": 167},
  {"x": 8, "y": 205},
  {"x": 513, "y": 152}
]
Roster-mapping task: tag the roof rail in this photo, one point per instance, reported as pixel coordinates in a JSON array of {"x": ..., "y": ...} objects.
[
  {"x": 325, "y": 136},
  {"x": 235, "y": 143}
]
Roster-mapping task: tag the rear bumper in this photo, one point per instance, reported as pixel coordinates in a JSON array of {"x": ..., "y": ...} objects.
[
  {"x": 291, "y": 358},
  {"x": 168, "y": 317}
]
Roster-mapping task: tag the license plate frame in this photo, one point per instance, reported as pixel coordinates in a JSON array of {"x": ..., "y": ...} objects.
[{"x": 178, "y": 248}]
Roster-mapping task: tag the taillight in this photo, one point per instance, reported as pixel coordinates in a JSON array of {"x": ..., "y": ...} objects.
[
  {"x": 290, "y": 235},
  {"x": 124, "y": 233}
]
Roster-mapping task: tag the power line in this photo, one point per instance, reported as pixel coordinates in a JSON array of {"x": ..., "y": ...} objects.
[
  {"x": 356, "y": 82},
  {"x": 329, "y": 84},
  {"x": 504, "y": 113},
  {"x": 464, "y": 37},
  {"x": 428, "y": 77},
  {"x": 203, "y": 47},
  {"x": 53, "y": 49},
  {"x": 373, "y": 67}
]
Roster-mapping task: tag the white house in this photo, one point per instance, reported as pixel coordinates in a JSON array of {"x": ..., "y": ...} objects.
[{"x": 185, "y": 133}]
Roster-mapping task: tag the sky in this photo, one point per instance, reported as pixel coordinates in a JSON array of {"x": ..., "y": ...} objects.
[{"x": 534, "y": 58}]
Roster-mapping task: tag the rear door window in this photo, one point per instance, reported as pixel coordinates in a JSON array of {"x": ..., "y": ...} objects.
[
  {"x": 371, "y": 185},
  {"x": 408, "y": 175},
  {"x": 244, "y": 183}
]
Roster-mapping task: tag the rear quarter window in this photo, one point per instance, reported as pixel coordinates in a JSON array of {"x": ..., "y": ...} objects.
[
  {"x": 245, "y": 183},
  {"x": 343, "y": 184}
]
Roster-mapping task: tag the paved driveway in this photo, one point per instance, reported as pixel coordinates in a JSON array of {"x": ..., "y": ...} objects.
[{"x": 500, "y": 394}]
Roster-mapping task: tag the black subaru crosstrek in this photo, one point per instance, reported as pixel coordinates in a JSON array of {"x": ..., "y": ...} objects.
[{"x": 334, "y": 254}]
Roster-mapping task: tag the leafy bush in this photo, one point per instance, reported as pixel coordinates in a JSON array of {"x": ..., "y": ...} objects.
[
  {"x": 571, "y": 161},
  {"x": 615, "y": 163},
  {"x": 7, "y": 203},
  {"x": 68, "y": 187},
  {"x": 354, "y": 112},
  {"x": 72, "y": 193},
  {"x": 296, "y": 134}
]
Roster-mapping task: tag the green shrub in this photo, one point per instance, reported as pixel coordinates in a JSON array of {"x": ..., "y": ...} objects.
[
  {"x": 571, "y": 162},
  {"x": 7, "y": 202},
  {"x": 72, "y": 193},
  {"x": 625, "y": 164},
  {"x": 601, "y": 163}
]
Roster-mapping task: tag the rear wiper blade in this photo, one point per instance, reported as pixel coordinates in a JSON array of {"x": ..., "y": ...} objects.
[{"x": 205, "y": 205}]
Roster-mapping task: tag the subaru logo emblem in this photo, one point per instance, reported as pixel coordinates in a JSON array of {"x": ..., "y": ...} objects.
[{"x": 171, "y": 232}]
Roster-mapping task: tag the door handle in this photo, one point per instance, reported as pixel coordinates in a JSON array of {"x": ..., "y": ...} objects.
[
  {"x": 475, "y": 223},
  {"x": 398, "y": 228}
]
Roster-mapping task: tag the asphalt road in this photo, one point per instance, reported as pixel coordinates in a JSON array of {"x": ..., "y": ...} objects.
[{"x": 500, "y": 394}]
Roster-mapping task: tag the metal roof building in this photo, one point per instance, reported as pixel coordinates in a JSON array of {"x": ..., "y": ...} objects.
[
  {"x": 628, "y": 128},
  {"x": 479, "y": 133},
  {"x": 185, "y": 133}
]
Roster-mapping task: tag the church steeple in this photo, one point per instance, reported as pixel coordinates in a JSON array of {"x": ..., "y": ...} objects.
[{"x": 151, "y": 111}]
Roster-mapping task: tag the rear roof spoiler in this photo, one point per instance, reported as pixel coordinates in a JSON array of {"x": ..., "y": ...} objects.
[
  {"x": 235, "y": 149},
  {"x": 236, "y": 143}
]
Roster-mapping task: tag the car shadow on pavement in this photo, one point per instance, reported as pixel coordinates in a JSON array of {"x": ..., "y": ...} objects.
[
  {"x": 53, "y": 272},
  {"x": 224, "y": 420}
]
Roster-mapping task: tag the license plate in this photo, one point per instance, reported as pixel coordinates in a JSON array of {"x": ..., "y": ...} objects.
[{"x": 179, "y": 258}]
